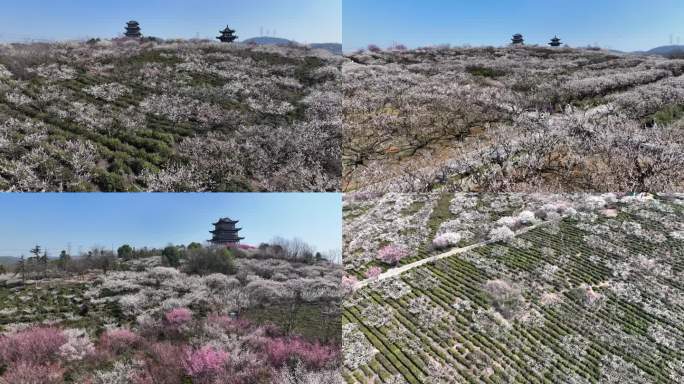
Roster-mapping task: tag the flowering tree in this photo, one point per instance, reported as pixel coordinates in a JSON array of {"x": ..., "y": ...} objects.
[
  {"x": 392, "y": 254},
  {"x": 204, "y": 363},
  {"x": 373, "y": 272}
]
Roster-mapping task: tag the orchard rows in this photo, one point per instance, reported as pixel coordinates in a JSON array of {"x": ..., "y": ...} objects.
[
  {"x": 595, "y": 297},
  {"x": 528, "y": 119}
]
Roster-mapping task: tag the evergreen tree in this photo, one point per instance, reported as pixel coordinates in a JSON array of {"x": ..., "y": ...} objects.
[
  {"x": 43, "y": 263},
  {"x": 64, "y": 260},
  {"x": 21, "y": 267},
  {"x": 125, "y": 252},
  {"x": 171, "y": 256}
]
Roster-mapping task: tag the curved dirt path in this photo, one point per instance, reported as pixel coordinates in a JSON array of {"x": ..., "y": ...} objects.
[{"x": 393, "y": 272}]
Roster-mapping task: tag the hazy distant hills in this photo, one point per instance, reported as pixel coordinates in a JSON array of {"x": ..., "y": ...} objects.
[
  {"x": 8, "y": 261},
  {"x": 334, "y": 48},
  {"x": 666, "y": 50}
]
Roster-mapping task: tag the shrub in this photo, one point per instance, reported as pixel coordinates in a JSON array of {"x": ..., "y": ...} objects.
[
  {"x": 205, "y": 362},
  {"x": 205, "y": 261},
  {"x": 32, "y": 373},
  {"x": 32, "y": 345},
  {"x": 392, "y": 254}
]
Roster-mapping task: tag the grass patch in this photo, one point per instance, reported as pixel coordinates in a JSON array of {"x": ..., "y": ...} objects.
[
  {"x": 480, "y": 71},
  {"x": 311, "y": 322},
  {"x": 413, "y": 208},
  {"x": 667, "y": 115}
]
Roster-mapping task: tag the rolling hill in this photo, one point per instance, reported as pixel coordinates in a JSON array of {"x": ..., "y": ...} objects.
[{"x": 334, "y": 48}]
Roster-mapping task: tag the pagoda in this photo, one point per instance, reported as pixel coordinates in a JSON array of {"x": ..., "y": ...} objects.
[
  {"x": 555, "y": 42},
  {"x": 518, "y": 39},
  {"x": 133, "y": 29},
  {"x": 225, "y": 232},
  {"x": 227, "y": 35}
]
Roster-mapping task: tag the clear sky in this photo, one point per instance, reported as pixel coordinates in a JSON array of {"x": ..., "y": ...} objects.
[
  {"x": 306, "y": 21},
  {"x": 56, "y": 221},
  {"x": 627, "y": 25}
]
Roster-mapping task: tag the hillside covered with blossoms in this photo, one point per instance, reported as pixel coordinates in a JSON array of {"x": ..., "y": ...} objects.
[
  {"x": 512, "y": 119},
  {"x": 150, "y": 115},
  {"x": 182, "y": 315},
  {"x": 574, "y": 288}
]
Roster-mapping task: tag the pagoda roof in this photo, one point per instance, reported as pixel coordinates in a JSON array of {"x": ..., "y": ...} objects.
[
  {"x": 233, "y": 239},
  {"x": 226, "y": 220},
  {"x": 226, "y": 230}
]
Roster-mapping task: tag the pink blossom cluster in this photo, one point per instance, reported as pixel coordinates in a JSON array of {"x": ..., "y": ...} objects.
[
  {"x": 392, "y": 254},
  {"x": 178, "y": 317},
  {"x": 31, "y": 356},
  {"x": 26, "y": 372},
  {"x": 204, "y": 362},
  {"x": 118, "y": 341},
  {"x": 245, "y": 247},
  {"x": 348, "y": 282},
  {"x": 373, "y": 272},
  {"x": 283, "y": 351},
  {"x": 36, "y": 344}
]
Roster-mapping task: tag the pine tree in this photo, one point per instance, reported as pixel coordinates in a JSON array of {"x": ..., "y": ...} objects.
[
  {"x": 64, "y": 259},
  {"x": 43, "y": 262},
  {"x": 21, "y": 268}
]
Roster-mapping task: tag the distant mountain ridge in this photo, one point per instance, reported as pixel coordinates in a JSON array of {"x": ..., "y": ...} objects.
[
  {"x": 334, "y": 48},
  {"x": 666, "y": 50},
  {"x": 8, "y": 261}
]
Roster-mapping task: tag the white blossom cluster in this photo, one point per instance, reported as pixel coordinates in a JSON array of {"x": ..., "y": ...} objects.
[
  {"x": 387, "y": 220},
  {"x": 108, "y": 92},
  {"x": 160, "y": 289},
  {"x": 356, "y": 349}
]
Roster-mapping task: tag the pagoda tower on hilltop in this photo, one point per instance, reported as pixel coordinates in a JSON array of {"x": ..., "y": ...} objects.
[
  {"x": 225, "y": 232},
  {"x": 555, "y": 42},
  {"x": 518, "y": 39},
  {"x": 227, "y": 35},
  {"x": 133, "y": 29}
]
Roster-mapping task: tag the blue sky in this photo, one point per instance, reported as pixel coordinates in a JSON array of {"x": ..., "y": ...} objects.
[
  {"x": 306, "y": 21},
  {"x": 56, "y": 221},
  {"x": 617, "y": 24}
]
